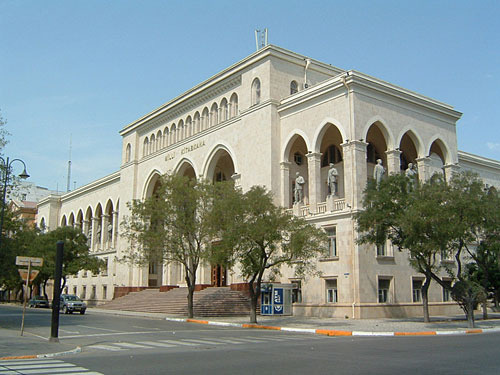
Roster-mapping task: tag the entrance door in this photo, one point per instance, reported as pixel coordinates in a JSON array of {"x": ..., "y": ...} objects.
[
  {"x": 155, "y": 274},
  {"x": 218, "y": 275}
]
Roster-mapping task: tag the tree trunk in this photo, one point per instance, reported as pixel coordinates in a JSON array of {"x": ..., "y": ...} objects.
[
  {"x": 469, "y": 311},
  {"x": 425, "y": 299},
  {"x": 485, "y": 310},
  {"x": 190, "y": 301},
  {"x": 253, "y": 303}
]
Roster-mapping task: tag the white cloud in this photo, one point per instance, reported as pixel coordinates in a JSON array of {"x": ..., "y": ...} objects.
[{"x": 493, "y": 146}]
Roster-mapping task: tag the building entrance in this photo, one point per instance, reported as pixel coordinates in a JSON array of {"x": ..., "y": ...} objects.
[{"x": 218, "y": 275}]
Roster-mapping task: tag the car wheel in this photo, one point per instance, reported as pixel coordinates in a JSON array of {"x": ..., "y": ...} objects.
[
  {"x": 65, "y": 310},
  {"x": 82, "y": 312}
]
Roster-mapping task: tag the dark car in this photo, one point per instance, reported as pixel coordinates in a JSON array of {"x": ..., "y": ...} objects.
[
  {"x": 70, "y": 303},
  {"x": 38, "y": 301}
]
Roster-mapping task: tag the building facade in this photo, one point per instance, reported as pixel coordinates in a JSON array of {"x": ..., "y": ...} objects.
[{"x": 265, "y": 120}]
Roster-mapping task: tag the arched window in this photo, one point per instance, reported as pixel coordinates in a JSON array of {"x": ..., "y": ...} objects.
[
  {"x": 145, "y": 147},
  {"x": 196, "y": 123},
  {"x": 189, "y": 127},
  {"x": 224, "y": 114},
  {"x": 233, "y": 103},
  {"x": 173, "y": 134},
  {"x": 166, "y": 137},
  {"x": 214, "y": 115},
  {"x": 158, "y": 140},
  {"x": 152, "y": 144},
  {"x": 331, "y": 155},
  {"x": 180, "y": 131},
  {"x": 255, "y": 91},
  {"x": 293, "y": 87},
  {"x": 128, "y": 152},
  {"x": 204, "y": 118}
]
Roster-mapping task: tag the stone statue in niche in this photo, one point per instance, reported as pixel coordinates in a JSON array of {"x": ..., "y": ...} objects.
[
  {"x": 378, "y": 172},
  {"x": 298, "y": 192},
  {"x": 110, "y": 232},
  {"x": 332, "y": 179},
  {"x": 98, "y": 234},
  {"x": 410, "y": 171}
]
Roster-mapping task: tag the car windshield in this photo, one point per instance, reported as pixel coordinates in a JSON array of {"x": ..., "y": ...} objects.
[{"x": 72, "y": 298}]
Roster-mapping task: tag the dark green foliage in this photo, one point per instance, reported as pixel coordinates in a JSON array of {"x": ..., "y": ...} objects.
[{"x": 257, "y": 236}]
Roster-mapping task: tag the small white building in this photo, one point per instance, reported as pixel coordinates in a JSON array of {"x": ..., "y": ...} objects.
[{"x": 259, "y": 122}]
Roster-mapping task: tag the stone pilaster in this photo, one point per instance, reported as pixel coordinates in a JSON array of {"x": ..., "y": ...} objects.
[
  {"x": 285, "y": 183},
  {"x": 314, "y": 176},
  {"x": 393, "y": 161},
  {"x": 450, "y": 170},
  {"x": 423, "y": 166},
  {"x": 355, "y": 172},
  {"x": 236, "y": 177}
]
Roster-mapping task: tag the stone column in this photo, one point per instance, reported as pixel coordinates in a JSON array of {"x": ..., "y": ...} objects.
[
  {"x": 285, "y": 183},
  {"x": 115, "y": 228},
  {"x": 423, "y": 166},
  {"x": 314, "y": 176},
  {"x": 450, "y": 170},
  {"x": 236, "y": 177},
  {"x": 355, "y": 172},
  {"x": 393, "y": 161}
]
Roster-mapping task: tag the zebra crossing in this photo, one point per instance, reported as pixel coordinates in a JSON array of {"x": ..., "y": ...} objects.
[
  {"x": 193, "y": 342},
  {"x": 42, "y": 366}
]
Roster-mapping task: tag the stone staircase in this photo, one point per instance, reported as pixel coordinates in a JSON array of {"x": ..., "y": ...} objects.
[{"x": 221, "y": 301}]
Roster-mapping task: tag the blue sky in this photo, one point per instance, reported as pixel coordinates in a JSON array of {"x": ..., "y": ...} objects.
[{"x": 85, "y": 69}]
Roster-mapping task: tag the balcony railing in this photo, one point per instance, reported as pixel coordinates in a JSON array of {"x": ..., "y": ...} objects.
[{"x": 321, "y": 208}]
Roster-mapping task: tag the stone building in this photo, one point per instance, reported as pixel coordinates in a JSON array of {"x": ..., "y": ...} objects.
[{"x": 260, "y": 122}]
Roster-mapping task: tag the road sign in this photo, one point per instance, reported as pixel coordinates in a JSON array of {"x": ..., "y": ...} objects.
[
  {"x": 24, "y": 274},
  {"x": 25, "y": 261}
]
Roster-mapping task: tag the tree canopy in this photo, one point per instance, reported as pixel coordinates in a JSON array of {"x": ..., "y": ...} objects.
[
  {"x": 257, "y": 236},
  {"x": 433, "y": 220}
]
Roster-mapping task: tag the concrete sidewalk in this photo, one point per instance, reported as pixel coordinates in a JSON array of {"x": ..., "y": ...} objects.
[
  {"x": 366, "y": 327},
  {"x": 13, "y": 345}
]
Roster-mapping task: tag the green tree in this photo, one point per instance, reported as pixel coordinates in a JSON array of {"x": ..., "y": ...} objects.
[
  {"x": 76, "y": 256},
  {"x": 259, "y": 237},
  {"x": 173, "y": 225},
  {"x": 429, "y": 219}
]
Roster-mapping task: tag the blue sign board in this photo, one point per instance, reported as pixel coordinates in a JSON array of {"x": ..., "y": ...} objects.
[{"x": 278, "y": 301}]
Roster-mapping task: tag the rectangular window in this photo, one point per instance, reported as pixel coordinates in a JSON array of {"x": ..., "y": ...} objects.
[
  {"x": 92, "y": 295},
  {"x": 104, "y": 292},
  {"x": 446, "y": 256},
  {"x": 331, "y": 291},
  {"x": 105, "y": 268},
  {"x": 297, "y": 291},
  {"x": 75, "y": 290},
  {"x": 447, "y": 291},
  {"x": 332, "y": 242},
  {"x": 383, "y": 290},
  {"x": 84, "y": 292},
  {"x": 381, "y": 250},
  {"x": 417, "y": 290}
]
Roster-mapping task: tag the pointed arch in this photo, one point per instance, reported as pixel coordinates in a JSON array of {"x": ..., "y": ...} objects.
[
  {"x": 439, "y": 147},
  {"x": 291, "y": 139},
  {"x": 213, "y": 156},
  {"x": 322, "y": 129},
  {"x": 150, "y": 184},
  {"x": 384, "y": 129},
  {"x": 184, "y": 166}
]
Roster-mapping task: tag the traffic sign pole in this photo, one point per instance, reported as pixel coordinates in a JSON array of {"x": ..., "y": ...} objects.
[
  {"x": 26, "y": 295},
  {"x": 54, "y": 329}
]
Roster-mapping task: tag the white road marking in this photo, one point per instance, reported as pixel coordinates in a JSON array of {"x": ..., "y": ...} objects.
[
  {"x": 155, "y": 343},
  {"x": 130, "y": 345},
  {"x": 203, "y": 342},
  {"x": 105, "y": 347},
  {"x": 174, "y": 342},
  {"x": 99, "y": 329},
  {"x": 42, "y": 366}
]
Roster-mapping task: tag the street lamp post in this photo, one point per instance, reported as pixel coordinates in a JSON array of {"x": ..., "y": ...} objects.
[{"x": 6, "y": 164}]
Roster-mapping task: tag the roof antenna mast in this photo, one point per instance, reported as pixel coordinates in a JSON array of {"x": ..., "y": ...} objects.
[
  {"x": 260, "y": 38},
  {"x": 69, "y": 167}
]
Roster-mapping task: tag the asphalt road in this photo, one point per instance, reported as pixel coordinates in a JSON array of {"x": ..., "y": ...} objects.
[{"x": 136, "y": 345}]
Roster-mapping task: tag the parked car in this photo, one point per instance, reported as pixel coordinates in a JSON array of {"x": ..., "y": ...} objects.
[
  {"x": 70, "y": 303},
  {"x": 38, "y": 301}
]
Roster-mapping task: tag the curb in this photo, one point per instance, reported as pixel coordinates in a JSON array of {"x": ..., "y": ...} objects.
[
  {"x": 49, "y": 355},
  {"x": 331, "y": 332}
]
